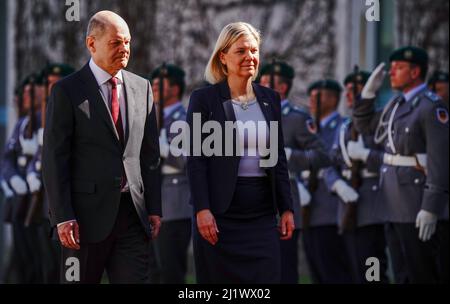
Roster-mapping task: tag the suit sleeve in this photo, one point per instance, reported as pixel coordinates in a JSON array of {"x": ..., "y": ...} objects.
[
  {"x": 150, "y": 159},
  {"x": 436, "y": 195},
  {"x": 56, "y": 155},
  {"x": 283, "y": 188},
  {"x": 311, "y": 154},
  {"x": 197, "y": 165}
]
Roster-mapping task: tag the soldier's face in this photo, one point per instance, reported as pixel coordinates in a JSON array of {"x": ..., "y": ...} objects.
[
  {"x": 26, "y": 98},
  {"x": 442, "y": 90},
  {"x": 403, "y": 74},
  {"x": 52, "y": 79},
  {"x": 279, "y": 86},
  {"x": 349, "y": 93},
  {"x": 170, "y": 91},
  {"x": 242, "y": 58},
  {"x": 328, "y": 101},
  {"x": 111, "y": 51}
]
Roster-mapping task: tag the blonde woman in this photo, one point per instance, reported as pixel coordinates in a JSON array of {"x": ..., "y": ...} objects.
[{"x": 235, "y": 199}]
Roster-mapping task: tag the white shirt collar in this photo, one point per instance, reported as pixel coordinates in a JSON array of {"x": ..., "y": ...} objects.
[
  {"x": 101, "y": 75},
  {"x": 408, "y": 96},
  {"x": 328, "y": 119}
]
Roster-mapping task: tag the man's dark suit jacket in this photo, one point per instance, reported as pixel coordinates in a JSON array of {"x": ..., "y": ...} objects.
[
  {"x": 84, "y": 161},
  {"x": 212, "y": 179}
]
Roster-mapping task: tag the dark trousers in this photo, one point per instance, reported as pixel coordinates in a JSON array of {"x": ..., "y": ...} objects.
[
  {"x": 171, "y": 250},
  {"x": 289, "y": 259},
  {"x": 363, "y": 243},
  {"x": 419, "y": 259},
  {"x": 124, "y": 254},
  {"x": 326, "y": 255}
]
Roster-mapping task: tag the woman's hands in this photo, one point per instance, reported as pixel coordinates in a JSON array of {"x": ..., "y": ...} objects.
[
  {"x": 287, "y": 225},
  {"x": 207, "y": 226}
]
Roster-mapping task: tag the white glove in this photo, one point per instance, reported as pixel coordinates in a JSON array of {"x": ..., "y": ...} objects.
[
  {"x": 40, "y": 136},
  {"x": 164, "y": 147},
  {"x": 33, "y": 182},
  {"x": 345, "y": 192},
  {"x": 6, "y": 190},
  {"x": 357, "y": 151},
  {"x": 303, "y": 194},
  {"x": 18, "y": 185},
  {"x": 29, "y": 146},
  {"x": 374, "y": 82},
  {"x": 426, "y": 222},
  {"x": 288, "y": 153}
]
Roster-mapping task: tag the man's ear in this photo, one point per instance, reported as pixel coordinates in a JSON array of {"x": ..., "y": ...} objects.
[
  {"x": 90, "y": 44},
  {"x": 415, "y": 72}
]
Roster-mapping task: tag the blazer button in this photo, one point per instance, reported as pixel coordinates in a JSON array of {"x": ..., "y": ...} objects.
[{"x": 175, "y": 181}]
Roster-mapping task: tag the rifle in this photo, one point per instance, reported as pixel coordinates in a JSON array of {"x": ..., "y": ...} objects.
[
  {"x": 313, "y": 182},
  {"x": 162, "y": 75},
  {"x": 350, "y": 216},
  {"x": 272, "y": 74},
  {"x": 38, "y": 196}
]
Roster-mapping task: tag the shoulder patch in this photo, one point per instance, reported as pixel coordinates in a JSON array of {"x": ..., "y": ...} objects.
[
  {"x": 333, "y": 124},
  {"x": 433, "y": 97},
  {"x": 311, "y": 126},
  {"x": 176, "y": 115},
  {"x": 286, "y": 110},
  {"x": 442, "y": 115}
]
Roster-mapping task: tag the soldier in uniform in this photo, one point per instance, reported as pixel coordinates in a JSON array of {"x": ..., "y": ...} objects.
[
  {"x": 438, "y": 83},
  {"x": 324, "y": 248},
  {"x": 304, "y": 151},
  {"x": 20, "y": 148},
  {"x": 359, "y": 159},
  {"x": 413, "y": 128},
  {"x": 174, "y": 238},
  {"x": 38, "y": 212}
]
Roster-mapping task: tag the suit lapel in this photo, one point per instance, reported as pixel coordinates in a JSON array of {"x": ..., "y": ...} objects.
[
  {"x": 93, "y": 93},
  {"x": 131, "y": 104},
  {"x": 227, "y": 104},
  {"x": 264, "y": 104}
]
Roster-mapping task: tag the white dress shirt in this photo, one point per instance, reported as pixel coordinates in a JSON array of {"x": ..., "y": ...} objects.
[{"x": 102, "y": 78}]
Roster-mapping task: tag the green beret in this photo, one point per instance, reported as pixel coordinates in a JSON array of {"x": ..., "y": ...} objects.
[
  {"x": 35, "y": 78},
  {"x": 361, "y": 77},
  {"x": 170, "y": 71},
  {"x": 58, "y": 69},
  {"x": 278, "y": 68},
  {"x": 438, "y": 76},
  {"x": 410, "y": 54},
  {"x": 328, "y": 84}
]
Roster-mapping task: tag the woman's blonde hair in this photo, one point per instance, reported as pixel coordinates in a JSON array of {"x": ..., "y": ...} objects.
[{"x": 215, "y": 71}]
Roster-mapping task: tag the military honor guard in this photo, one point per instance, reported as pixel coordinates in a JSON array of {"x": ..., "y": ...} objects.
[
  {"x": 324, "y": 247},
  {"x": 172, "y": 245},
  {"x": 304, "y": 151},
  {"x": 413, "y": 129}
]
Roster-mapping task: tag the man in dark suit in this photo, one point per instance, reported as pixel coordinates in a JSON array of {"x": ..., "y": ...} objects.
[{"x": 100, "y": 162}]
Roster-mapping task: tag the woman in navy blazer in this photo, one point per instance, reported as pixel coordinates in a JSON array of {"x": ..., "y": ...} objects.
[{"x": 235, "y": 199}]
